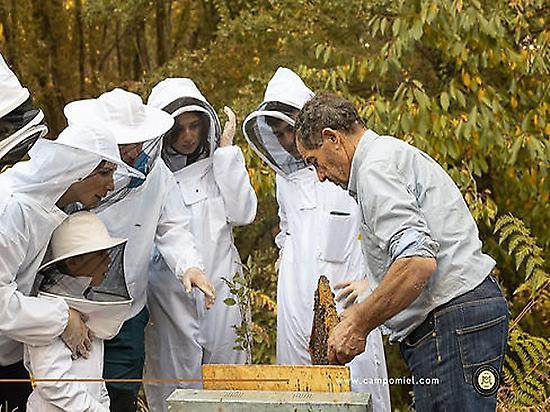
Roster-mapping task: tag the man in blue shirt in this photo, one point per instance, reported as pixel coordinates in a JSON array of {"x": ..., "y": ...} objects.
[{"x": 433, "y": 289}]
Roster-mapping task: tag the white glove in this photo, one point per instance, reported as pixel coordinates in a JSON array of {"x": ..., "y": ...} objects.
[
  {"x": 229, "y": 129},
  {"x": 194, "y": 277},
  {"x": 351, "y": 289}
]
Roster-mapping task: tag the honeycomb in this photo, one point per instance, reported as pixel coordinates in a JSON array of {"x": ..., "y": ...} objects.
[{"x": 325, "y": 318}]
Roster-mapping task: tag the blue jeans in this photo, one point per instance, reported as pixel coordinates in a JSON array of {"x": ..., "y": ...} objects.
[{"x": 460, "y": 348}]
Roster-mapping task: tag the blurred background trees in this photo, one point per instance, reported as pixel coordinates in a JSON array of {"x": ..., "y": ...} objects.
[{"x": 465, "y": 81}]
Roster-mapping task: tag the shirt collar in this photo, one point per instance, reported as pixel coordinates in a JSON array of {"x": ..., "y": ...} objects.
[{"x": 360, "y": 154}]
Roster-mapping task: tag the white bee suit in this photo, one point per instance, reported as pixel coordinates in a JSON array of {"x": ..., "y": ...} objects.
[
  {"x": 148, "y": 216},
  {"x": 319, "y": 235},
  {"x": 215, "y": 189},
  {"x": 63, "y": 383},
  {"x": 54, "y": 361},
  {"x": 28, "y": 216}
]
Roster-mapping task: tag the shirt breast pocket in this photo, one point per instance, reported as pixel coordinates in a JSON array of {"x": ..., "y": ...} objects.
[
  {"x": 340, "y": 231},
  {"x": 192, "y": 194}
]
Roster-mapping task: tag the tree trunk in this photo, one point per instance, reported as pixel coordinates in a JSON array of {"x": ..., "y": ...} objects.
[
  {"x": 81, "y": 48},
  {"x": 8, "y": 20},
  {"x": 161, "y": 32}
]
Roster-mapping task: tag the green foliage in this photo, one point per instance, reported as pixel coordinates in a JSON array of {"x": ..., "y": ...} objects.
[
  {"x": 239, "y": 287},
  {"x": 250, "y": 333},
  {"x": 525, "y": 250},
  {"x": 463, "y": 81},
  {"x": 526, "y": 374},
  {"x": 264, "y": 307}
]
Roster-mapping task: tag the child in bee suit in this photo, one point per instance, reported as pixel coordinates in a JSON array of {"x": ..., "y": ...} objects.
[
  {"x": 319, "y": 229},
  {"x": 213, "y": 183},
  {"x": 85, "y": 270}
]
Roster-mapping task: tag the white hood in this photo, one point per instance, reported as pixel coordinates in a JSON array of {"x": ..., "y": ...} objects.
[
  {"x": 13, "y": 94},
  {"x": 171, "y": 89},
  {"x": 286, "y": 89},
  {"x": 179, "y": 95},
  {"x": 55, "y": 165}
]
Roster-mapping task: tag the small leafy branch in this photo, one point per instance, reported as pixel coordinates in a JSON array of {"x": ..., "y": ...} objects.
[
  {"x": 249, "y": 299},
  {"x": 527, "y": 374},
  {"x": 527, "y": 366},
  {"x": 239, "y": 287},
  {"x": 524, "y": 248}
]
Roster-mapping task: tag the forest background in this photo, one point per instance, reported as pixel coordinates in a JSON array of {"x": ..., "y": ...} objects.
[{"x": 465, "y": 81}]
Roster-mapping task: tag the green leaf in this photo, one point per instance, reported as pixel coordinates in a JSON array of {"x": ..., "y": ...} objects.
[
  {"x": 416, "y": 30},
  {"x": 515, "y": 150},
  {"x": 421, "y": 98},
  {"x": 395, "y": 27},
  {"x": 318, "y": 50},
  {"x": 229, "y": 301},
  {"x": 326, "y": 55},
  {"x": 444, "y": 100},
  {"x": 383, "y": 25},
  {"x": 460, "y": 97}
]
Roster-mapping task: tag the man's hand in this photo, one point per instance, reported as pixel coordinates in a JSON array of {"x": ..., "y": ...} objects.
[
  {"x": 76, "y": 335},
  {"x": 229, "y": 129},
  {"x": 351, "y": 289},
  {"x": 401, "y": 285},
  {"x": 194, "y": 277},
  {"x": 347, "y": 340}
]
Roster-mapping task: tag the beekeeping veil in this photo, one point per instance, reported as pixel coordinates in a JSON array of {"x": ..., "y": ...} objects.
[
  {"x": 96, "y": 286},
  {"x": 131, "y": 122},
  {"x": 55, "y": 165},
  {"x": 21, "y": 124},
  {"x": 285, "y": 95},
  {"x": 177, "y": 96}
]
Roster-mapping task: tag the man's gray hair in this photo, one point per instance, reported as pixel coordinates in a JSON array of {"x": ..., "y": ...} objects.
[{"x": 325, "y": 110}]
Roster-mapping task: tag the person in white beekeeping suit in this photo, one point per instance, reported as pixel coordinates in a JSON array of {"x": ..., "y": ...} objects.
[
  {"x": 21, "y": 124},
  {"x": 150, "y": 213},
  {"x": 77, "y": 167},
  {"x": 86, "y": 270},
  {"x": 213, "y": 183},
  {"x": 319, "y": 235}
]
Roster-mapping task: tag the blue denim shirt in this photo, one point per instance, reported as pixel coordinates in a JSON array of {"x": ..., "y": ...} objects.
[{"x": 411, "y": 207}]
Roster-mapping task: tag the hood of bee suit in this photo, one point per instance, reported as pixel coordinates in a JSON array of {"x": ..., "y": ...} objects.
[
  {"x": 177, "y": 96},
  {"x": 105, "y": 302},
  {"x": 285, "y": 95}
]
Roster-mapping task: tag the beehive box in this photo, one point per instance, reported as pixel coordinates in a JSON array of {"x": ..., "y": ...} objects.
[
  {"x": 192, "y": 400},
  {"x": 290, "y": 378}
]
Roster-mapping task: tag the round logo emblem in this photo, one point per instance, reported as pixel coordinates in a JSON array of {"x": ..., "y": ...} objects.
[{"x": 486, "y": 380}]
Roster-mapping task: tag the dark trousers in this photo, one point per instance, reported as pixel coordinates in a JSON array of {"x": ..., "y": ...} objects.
[
  {"x": 456, "y": 354},
  {"x": 124, "y": 358},
  {"x": 14, "y": 394}
]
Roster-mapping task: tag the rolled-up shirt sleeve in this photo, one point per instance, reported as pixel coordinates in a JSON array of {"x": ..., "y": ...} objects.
[{"x": 392, "y": 212}]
